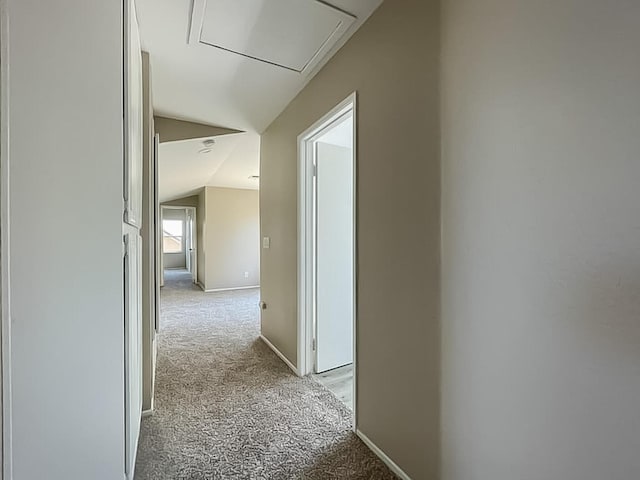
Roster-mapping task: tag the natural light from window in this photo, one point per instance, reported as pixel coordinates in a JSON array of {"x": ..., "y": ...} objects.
[{"x": 172, "y": 236}]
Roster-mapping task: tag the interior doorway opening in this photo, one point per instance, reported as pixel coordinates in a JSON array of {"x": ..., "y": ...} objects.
[
  {"x": 327, "y": 252},
  {"x": 178, "y": 242}
]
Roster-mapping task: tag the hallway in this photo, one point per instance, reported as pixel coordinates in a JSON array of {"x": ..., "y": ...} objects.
[{"x": 228, "y": 408}]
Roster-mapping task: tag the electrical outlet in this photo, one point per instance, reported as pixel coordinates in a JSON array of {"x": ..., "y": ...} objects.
[{"x": 246, "y": 274}]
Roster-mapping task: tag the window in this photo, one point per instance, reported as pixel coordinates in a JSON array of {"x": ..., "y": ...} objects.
[{"x": 172, "y": 236}]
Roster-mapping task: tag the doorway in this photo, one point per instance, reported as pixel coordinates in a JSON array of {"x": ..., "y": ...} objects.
[
  {"x": 179, "y": 237},
  {"x": 327, "y": 252}
]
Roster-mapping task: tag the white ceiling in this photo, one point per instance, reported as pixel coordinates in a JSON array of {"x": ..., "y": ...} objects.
[
  {"x": 232, "y": 160},
  {"x": 212, "y": 85},
  {"x": 291, "y": 34}
]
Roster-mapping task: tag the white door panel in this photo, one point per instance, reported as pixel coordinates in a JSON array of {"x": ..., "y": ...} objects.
[
  {"x": 133, "y": 118},
  {"x": 334, "y": 257},
  {"x": 133, "y": 345},
  {"x": 132, "y": 271}
]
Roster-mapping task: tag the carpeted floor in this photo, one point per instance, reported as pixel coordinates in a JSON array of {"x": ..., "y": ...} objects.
[{"x": 228, "y": 408}]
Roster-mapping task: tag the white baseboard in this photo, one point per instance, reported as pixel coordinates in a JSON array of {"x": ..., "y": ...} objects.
[
  {"x": 213, "y": 290},
  {"x": 383, "y": 456},
  {"x": 280, "y": 354}
]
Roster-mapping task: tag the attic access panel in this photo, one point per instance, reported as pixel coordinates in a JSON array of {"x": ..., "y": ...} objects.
[{"x": 291, "y": 34}]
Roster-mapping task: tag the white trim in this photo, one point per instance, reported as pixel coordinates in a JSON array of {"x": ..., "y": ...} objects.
[
  {"x": 383, "y": 456},
  {"x": 132, "y": 475},
  {"x": 305, "y": 241},
  {"x": 193, "y": 248},
  {"x": 194, "y": 240},
  {"x": 280, "y": 354},
  {"x": 230, "y": 289},
  {"x": 175, "y": 207},
  {"x": 195, "y": 21},
  {"x": 5, "y": 328}
]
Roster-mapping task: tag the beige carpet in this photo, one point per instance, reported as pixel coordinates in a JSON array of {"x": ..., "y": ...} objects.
[{"x": 228, "y": 408}]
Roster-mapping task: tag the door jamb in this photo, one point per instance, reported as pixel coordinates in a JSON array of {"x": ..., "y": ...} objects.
[
  {"x": 194, "y": 235},
  {"x": 5, "y": 325},
  {"x": 306, "y": 240},
  {"x": 193, "y": 259}
]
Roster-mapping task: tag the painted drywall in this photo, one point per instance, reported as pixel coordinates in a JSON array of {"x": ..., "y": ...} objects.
[
  {"x": 191, "y": 201},
  {"x": 172, "y": 129},
  {"x": 231, "y": 240},
  {"x": 66, "y": 297},
  {"x": 176, "y": 260},
  {"x": 541, "y": 240},
  {"x": 149, "y": 243},
  {"x": 392, "y": 62}
]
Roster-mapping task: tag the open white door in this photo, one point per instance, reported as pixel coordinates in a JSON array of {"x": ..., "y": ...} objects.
[
  {"x": 334, "y": 255},
  {"x": 327, "y": 314}
]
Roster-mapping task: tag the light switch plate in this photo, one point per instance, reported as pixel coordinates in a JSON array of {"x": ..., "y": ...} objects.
[{"x": 266, "y": 242}]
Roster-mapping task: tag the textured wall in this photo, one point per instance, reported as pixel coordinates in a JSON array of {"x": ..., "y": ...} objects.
[
  {"x": 66, "y": 190},
  {"x": 541, "y": 240},
  {"x": 232, "y": 238},
  {"x": 392, "y": 62}
]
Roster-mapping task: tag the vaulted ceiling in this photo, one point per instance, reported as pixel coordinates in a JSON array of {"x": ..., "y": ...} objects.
[
  {"x": 188, "y": 165},
  {"x": 238, "y": 63}
]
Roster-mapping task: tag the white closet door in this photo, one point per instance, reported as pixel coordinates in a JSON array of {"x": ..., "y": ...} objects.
[
  {"x": 133, "y": 115},
  {"x": 133, "y": 345},
  {"x": 133, "y": 134},
  {"x": 334, "y": 257}
]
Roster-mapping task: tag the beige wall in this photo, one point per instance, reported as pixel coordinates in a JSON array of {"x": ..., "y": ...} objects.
[
  {"x": 191, "y": 201},
  {"x": 541, "y": 240},
  {"x": 231, "y": 240},
  {"x": 392, "y": 62},
  {"x": 171, "y": 130}
]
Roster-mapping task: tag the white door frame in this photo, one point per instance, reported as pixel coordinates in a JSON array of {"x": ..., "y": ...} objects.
[
  {"x": 157, "y": 218},
  {"x": 194, "y": 238},
  {"x": 306, "y": 283},
  {"x": 5, "y": 325},
  {"x": 193, "y": 247}
]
